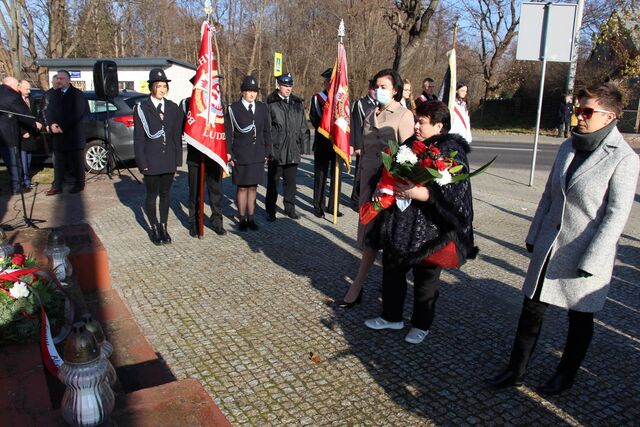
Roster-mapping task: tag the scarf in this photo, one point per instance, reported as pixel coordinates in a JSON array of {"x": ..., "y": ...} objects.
[{"x": 591, "y": 141}]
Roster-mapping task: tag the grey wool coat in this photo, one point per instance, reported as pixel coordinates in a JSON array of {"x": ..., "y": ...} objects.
[{"x": 579, "y": 223}]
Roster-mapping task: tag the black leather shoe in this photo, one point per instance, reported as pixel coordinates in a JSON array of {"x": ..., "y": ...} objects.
[
  {"x": 506, "y": 378},
  {"x": 358, "y": 300},
  {"x": 156, "y": 234},
  {"x": 165, "y": 238},
  {"x": 253, "y": 226},
  {"x": 293, "y": 215},
  {"x": 557, "y": 384},
  {"x": 330, "y": 212},
  {"x": 271, "y": 217},
  {"x": 219, "y": 229},
  {"x": 193, "y": 230},
  {"x": 318, "y": 213},
  {"x": 244, "y": 225}
]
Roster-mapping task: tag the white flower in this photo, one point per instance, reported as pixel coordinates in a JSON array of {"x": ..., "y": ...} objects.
[
  {"x": 19, "y": 290},
  {"x": 445, "y": 178},
  {"x": 406, "y": 155}
]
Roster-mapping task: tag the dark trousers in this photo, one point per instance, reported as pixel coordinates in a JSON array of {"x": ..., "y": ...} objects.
[
  {"x": 26, "y": 167},
  {"x": 529, "y": 326},
  {"x": 394, "y": 291},
  {"x": 565, "y": 125},
  {"x": 323, "y": 167},
  {"x": 72, "y": 160},
  {"x": 158, "y": 186},
  {"x": 213, "y": 181},
  {"x": 288, "y": 174},
  {"x": 10, "y": 157},
  {"x": 355, "y": 192}
]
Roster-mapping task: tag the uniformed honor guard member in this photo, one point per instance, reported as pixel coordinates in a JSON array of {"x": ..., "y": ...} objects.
[
  {"x": 324, "y": 158},
  {"x": 361, "y": 108},
  {"x": 249, "y": 143},
  {"x": 289, "y": 133},
  {"x": 212, "y": 179},
  {"x": 157, "y": 143}
]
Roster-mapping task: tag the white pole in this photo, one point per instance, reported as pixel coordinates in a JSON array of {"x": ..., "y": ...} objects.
[{"x": 545, "y": 33}]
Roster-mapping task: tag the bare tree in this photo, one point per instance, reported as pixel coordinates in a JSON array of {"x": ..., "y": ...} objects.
[
  {"x": 409, "y": 19},
  {"x": 496, "y": 22}
]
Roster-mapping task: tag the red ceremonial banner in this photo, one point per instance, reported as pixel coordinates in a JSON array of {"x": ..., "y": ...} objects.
[
  {"x": 204, "y": 129},
  {"x": 336, "y": 114}
]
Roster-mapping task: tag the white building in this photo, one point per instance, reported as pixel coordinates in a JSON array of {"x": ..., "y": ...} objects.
[{"x": 133, "y": 73}]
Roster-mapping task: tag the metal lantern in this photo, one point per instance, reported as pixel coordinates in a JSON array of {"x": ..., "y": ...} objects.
[
  {"x": 106, "y": 349},
  {"x": 6, "y": 248},
  {"x": 88, "y": 400},
  {"x": 57, "y": 253}
]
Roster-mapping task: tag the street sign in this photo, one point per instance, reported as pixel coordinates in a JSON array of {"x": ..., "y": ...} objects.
[
  {"x": 277, "y": 64},
  {"x": 531, "y": 40}
]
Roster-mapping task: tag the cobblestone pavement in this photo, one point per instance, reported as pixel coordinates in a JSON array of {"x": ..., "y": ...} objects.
[{"x": 242, "y": 313}]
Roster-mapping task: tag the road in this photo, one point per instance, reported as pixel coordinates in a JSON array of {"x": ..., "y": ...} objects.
[{"x": 512, "y": 155}]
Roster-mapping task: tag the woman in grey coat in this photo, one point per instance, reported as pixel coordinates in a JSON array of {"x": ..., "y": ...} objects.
[{"x": 574, "y": 234}]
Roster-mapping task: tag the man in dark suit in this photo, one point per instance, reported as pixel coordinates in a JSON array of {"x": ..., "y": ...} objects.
[
  {"x": 361, "y": 109},
  {"x": 324, "y": 158},
  {"x": 11, "y": 100},
  {"x": 68, "y": 111}
]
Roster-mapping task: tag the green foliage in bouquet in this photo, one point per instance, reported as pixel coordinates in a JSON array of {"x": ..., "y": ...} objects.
[{"x": 20, "y": 302}]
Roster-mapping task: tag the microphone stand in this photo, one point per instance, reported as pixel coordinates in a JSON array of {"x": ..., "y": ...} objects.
[{"x": 27, "y": 220}]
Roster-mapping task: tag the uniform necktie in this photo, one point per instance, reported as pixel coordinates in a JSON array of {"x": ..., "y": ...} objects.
[
  {"x": 159, "y": 107},
  {"x": 286, "y": 100},
  {"x": 251, "y": 109}
]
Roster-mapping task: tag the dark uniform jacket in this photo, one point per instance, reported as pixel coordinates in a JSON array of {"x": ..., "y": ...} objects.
[
  {"x": 425, "y": 97},
  {"x": 69, "y": 110},
  {"x": 289, "y": 130},
  {"x": 29, "y": 144},
  {"x": 320, "y": 142},
  {"x": 255, "y": 145},
  {"x": 10, "y": 100},
  {"x": 158, "y": 155},
  {"x": 361, "y": 108}
]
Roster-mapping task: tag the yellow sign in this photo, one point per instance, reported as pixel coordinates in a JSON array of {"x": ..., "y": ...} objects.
[
  {"x": 277, "y": 64},
  {"x": 143, "y": 86}
]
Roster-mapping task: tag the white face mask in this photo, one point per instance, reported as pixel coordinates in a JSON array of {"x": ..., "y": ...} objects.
[{"x": 383, "y": 96}]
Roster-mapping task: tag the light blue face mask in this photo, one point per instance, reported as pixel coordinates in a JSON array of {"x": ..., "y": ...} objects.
[{"x": 383, "y": 96}]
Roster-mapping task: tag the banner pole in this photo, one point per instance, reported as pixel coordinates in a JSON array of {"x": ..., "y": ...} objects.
[
  {"x": 201, "y": 197},
  {"x": 336, "y": 187}
]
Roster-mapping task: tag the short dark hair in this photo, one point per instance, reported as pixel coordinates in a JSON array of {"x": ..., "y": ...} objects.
[
  {"x": 437, "y": 111},
  {"x": 607, "y": 94},
  {"x": 398, "y": 84},
  {"x": 65, "y": 72},
  {"x": 428, "y": 79},
  {"x": 372, "y": 84}
]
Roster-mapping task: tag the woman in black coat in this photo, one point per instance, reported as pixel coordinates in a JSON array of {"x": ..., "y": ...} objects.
[
  {"x": 438, "y": 221},
  {"x": 157, "y": 143},
  {"x": 249, "y": 143}
]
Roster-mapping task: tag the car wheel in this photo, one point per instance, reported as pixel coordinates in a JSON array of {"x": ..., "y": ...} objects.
[{"x": 95, "y": 156}]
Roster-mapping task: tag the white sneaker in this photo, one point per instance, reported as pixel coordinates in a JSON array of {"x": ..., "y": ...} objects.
[
  {"x": 380, "y": 323},
  {"x": 416, "y": 336}
]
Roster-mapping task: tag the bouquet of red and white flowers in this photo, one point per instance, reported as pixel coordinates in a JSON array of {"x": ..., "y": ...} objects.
[{"x": 418, "y": 164}]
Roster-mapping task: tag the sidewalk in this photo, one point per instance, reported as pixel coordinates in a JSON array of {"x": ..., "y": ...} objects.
[
  {"x": 242, "y": 313},
  {"x": 633, "y": 139}
]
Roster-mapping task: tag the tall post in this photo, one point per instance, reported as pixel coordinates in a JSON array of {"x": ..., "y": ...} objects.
[
  {"x": 455, "y": 33},
  {"x": 336, "y": 164},
  {"x": 543, "y": 57},
  {"x": 571, "y": 75}
]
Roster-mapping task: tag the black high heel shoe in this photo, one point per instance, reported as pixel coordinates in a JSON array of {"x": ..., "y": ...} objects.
[{"x": 358, "y": 300}]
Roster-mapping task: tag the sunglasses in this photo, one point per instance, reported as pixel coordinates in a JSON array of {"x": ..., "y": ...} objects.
[{"x": 587, "y": 112}]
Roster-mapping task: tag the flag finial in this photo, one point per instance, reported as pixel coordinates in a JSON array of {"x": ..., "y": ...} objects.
[
  {"x": 341, "y": 30},
  {"x": 207, "y": 8}
]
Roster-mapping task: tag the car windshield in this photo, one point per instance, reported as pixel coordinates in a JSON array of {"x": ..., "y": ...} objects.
[{"x": 134, "y": 100}]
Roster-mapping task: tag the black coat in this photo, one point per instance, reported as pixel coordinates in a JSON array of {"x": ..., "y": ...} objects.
[
  {"x": 10, "y": 100},
  {"x": 425, "y": 227},
  {"x": 69, "y": 110},
  {"x": 289, "y": 129},
  {"x": 29, "y": 144},
  {"x": 320, "y": 142},
  {"x": 361, "y": 108},
  {"x": 163, "y": 154},
  {"x": 251, "y": 147}
]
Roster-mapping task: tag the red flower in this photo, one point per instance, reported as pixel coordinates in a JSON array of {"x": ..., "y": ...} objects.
[
  {"x": 440, "y": 165},
  {"x": 18, "y": 259},
  {"x": 434, "y": 150},
  {"x": 426, "y": 163},
  {"x": 418, "y": 147}
]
